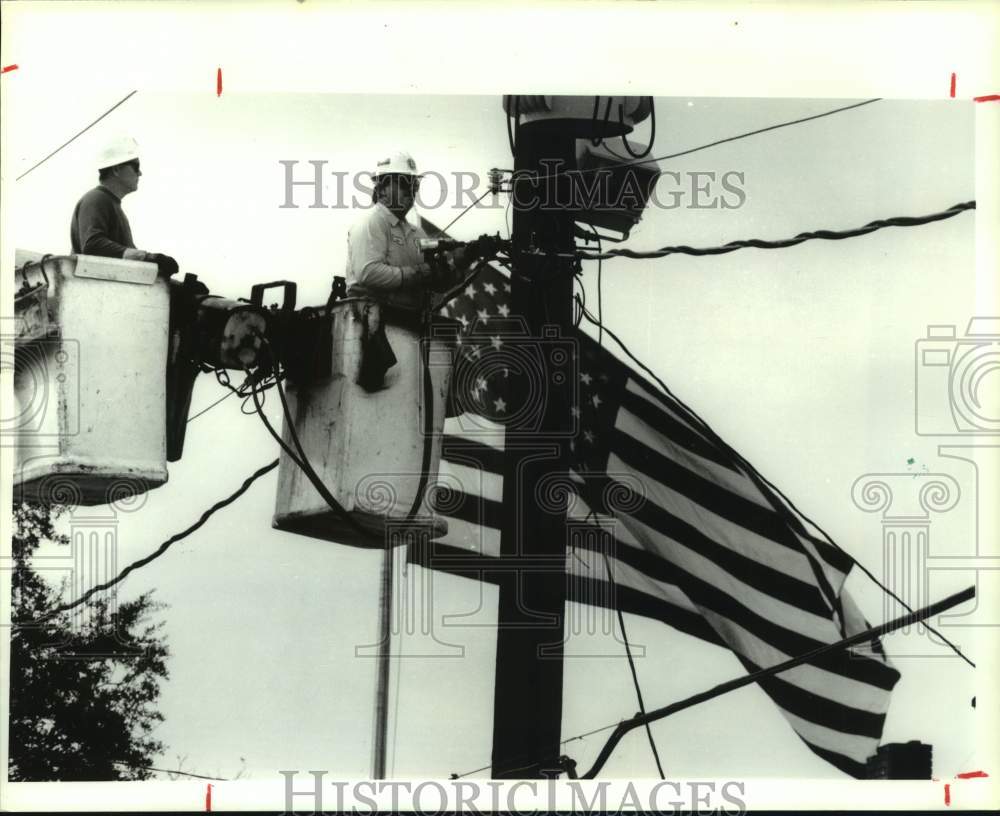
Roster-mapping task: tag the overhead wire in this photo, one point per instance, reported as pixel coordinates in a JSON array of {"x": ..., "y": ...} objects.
[
  {"x": 600, "y": 256},
  {"x": 205, "y": 516},
  {"x": 745, "y": 680},
  {"x": 652, "y": 131},
  {"x": 208, "y": 408},
  {"x": 76, "y": 136},
  {"x": 720, "y": 442},
  {"x": 738, "y": 136},
  {"x": 473, "y": 204},
  {"x": 826, "y": 235},
  {"x": 868, "y": 634},
  {"x": 631, "y": 663}
]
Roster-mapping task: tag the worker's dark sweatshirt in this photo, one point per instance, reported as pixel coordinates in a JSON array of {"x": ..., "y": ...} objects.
[{"x": 99, "y": 225}]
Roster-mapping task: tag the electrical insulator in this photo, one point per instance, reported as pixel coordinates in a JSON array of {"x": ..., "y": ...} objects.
[{"x": 495, "y": 180}]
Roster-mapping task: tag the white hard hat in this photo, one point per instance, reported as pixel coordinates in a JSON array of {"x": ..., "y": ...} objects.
[
  {"x": 398, "y": 163},
  {"x": 117, "y": 151}
]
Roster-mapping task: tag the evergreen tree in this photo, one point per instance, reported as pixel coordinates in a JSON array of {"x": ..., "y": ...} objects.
[{"x": 83, "y": 682}]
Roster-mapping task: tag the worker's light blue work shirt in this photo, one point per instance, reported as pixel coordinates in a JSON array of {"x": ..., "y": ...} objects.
[{"x": 379, "y": 247}]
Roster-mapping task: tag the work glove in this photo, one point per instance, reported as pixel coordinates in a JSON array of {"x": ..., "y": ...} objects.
[
  {"x": 485, "y": 246},
  {"x": 166, "y": 265}
]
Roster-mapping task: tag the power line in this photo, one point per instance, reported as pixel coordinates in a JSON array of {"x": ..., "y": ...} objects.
[
  {"x": 159, "y": 550},
  {"x": 566, "y": 741},
  {"x": 225, "y": 396},
  {"x": 118, "y": 104},
  {"x": 718, "y": 440},
  {"x": 721, "y": 141},
  {"x": 631, "y": 664},
  {"x": 473, "y": 204},
  {"x": 826, "y": 235},
  {"x": 868, "y": 634}
]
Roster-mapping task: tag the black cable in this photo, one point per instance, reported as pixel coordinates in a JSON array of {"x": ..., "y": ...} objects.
[
  {"x": 473, "y": 204},
  {"x": 579, "y": 315},
  {"x": 425, "y": 465},
  {"x": 721, "y": 141},
  {"x": 596, "y": 142},
  {"x": 510, "y": 132},
  {"x": 270, "y": 429},
  {"x": 225, "y": 396},
  {"x": 121, "y": 102},
  {"x": 826, "y": 235},
  {"x": 159, "y": 550},
  {"x": 738, "y": 457},
  {"x": 600, "y": 290},
  {"x": 631, "y": 664},
  {"x": 652, "y": 132},
  {"x": 869, "y": 634},
  {"x": 304, "y": 465}
]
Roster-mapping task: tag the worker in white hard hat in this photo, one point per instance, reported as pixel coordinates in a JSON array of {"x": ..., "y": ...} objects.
[
  {"x": 384, "y": 259},
  {"x": 99, "y": 225}
]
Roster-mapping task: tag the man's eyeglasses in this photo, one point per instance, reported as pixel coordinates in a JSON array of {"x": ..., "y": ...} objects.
[{"x": 134, "y": 164}]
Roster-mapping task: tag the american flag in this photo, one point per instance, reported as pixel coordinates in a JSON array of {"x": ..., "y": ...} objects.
[{"x": 691, "y": 534}]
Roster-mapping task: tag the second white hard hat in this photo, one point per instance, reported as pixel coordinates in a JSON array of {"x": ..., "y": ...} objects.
[
  {"x": 396, "y": 163},
  {"x": 117, "y": 151}
]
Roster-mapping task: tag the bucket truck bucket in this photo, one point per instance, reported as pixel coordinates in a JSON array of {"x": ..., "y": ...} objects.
[
  {"x": 89, "y": 353},
  {"x": 371, "y": 430}
]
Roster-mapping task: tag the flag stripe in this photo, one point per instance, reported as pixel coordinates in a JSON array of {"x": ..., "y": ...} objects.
[
  {"x": 471, "y": 452},
  {"x": 640, "y": 569},
  {"x": 633, "y": 601},
  {"x": 658, "y": 417},
  {"x": 750, "y": 516},
  {"x": 820, "y": 710},
  {"x": 693, "y": 536},
  {"x": 830, "y": 554},
  {"x": 754, "y": 573}
]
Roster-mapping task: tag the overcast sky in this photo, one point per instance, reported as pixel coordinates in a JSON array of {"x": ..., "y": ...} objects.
[{"x": 803, "y": 359}]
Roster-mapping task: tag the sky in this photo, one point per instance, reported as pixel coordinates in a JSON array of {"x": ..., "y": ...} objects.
[{"x": 804, "y": 359}]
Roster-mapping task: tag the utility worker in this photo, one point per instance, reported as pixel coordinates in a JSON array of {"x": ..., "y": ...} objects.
[
  {"x": 99, "y": 225},
  {"x": 384, "y": 258}
]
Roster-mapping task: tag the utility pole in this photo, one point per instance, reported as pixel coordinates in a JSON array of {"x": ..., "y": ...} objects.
[{"x": 529, "y": 664}]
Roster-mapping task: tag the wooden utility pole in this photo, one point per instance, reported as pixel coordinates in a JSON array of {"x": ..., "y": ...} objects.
[{"x": 529, "y": 665}]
